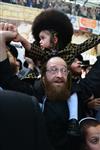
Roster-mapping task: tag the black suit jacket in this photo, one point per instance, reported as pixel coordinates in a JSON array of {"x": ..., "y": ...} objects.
[
  {"x": 22, "y": 125},
  {"x": 92, "y": 79}
]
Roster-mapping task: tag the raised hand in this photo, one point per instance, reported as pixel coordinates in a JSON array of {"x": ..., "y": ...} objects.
[{"x": 18, "y": 37}]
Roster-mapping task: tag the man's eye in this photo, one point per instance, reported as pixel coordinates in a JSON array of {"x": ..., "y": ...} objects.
[
  {"x": 64, "y": 70},
  {"x": 42, "y": 37},
  {"x": 54, "y": 69},
  {"x": 94, "y": 141}
]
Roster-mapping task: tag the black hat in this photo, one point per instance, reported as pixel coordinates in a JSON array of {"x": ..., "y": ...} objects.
[
  {"x": 85, "y": 64},
  {"x": 79, "y": 57},
  {"x": 52, "y": 19}
]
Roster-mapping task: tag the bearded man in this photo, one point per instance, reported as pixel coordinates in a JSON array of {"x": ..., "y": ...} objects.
[
  {"x": 55, "y": 105},
  {"x": 55, "y": 79}
]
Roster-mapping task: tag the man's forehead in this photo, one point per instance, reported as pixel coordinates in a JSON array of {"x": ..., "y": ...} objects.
[{"x": 56, "y": 61}]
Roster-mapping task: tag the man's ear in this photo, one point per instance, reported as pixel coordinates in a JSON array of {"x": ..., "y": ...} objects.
[{"x": 55, "y": 39}]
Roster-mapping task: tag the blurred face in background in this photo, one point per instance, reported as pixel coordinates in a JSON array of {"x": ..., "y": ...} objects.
[{"x": 76, "y": 67}]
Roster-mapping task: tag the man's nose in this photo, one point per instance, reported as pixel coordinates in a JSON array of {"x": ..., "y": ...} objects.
[{"x": 59, "y": 73}]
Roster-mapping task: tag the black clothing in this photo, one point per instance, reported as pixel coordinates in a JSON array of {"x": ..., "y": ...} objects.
[
  {"x": 39, "y": 89},
  {"x": 22, "y": 124},
  {"x": 92, "y": 79},
  {"x": 9, "y": 81},
  {"x": 57, "y": 117}
]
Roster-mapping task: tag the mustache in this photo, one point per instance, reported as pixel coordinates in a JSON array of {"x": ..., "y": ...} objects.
[{"x": 59, "y": 80}]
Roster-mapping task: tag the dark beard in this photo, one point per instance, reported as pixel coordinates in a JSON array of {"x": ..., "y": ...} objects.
[{"x": 56, "y": 93}]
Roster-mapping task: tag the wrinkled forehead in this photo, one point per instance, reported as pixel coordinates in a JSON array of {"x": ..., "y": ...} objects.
[{"x": 56, "y": 61}]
